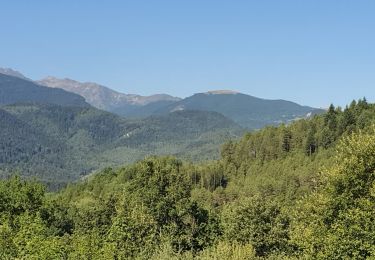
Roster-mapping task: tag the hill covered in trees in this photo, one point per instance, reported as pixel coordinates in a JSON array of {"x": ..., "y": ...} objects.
[
  {"x": 298, "y": 191},
  {"x": 248, "y": 111},
  {"x": 60, "y": 144}
]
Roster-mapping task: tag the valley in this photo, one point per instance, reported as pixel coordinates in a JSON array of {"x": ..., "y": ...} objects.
[{"x": 187, "y": 130}]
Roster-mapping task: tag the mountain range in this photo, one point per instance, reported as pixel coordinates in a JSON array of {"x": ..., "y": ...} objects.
[
  {"x": 107, "y": 99},
  {"x": 248, "y": 111},
  {"x": 56, "y": 136},
  {"x": 58, "y": 129}
]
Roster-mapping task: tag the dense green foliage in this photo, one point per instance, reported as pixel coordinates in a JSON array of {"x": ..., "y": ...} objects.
[
  {"x": 60, "y": 144},
  {"x": 302, "y": 191}
]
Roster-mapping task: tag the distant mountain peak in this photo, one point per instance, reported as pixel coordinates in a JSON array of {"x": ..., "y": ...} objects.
[
  {"x": 14, "y": 89},
  {"x": 105, "y": 98},
  {"x": 73, "y": 83},
  {"x": 13, "y": 73},
  {"x": 222, "y": 92}
]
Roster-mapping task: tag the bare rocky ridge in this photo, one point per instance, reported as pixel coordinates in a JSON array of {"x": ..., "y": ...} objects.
[
  {"x": 13, "y": 73},
  {"x": 102, "y": 97}
]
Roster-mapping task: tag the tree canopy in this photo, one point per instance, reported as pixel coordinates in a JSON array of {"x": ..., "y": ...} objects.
[{"x": 300, "y": 191}]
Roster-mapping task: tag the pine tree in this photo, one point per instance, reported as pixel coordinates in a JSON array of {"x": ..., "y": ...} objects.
[
  {"x": 286, "y": 140},
  {"x": 310, "y": 145}
]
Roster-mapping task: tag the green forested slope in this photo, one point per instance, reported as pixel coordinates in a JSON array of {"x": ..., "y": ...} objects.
[
  {"x": 303, "y": 191},
  {"x": 59, "y": 144},
  {"x": 248, "y": 111}
]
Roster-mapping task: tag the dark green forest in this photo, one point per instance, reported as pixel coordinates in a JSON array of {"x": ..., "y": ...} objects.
[
  {"x": 247, "y": 111},
  {"x": 60, "y": 144},
  {"x": 300, "y": 191}
]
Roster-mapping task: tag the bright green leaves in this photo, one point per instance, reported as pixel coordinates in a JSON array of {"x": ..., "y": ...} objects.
[
  {"x": 338, "y": 221},
  {"x": 257, "y": 222},
  {"x": 18, "y": 196},
  {"x": 160, "y": 192},
  {"x": 30, "y": 228},
  {"x": 131, "y": 229}
]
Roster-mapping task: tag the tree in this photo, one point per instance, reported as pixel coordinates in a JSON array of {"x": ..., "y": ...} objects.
[
  {"x": 310, "y": 145},
  {"x": 132, "y": 228},
  {"x": 258, "y": 222},
  {"x": 32, "y": 239},
  {"x": 161, "y": 190},
  {"x": 286, "y": 140},
  {"x": 330, "y": 118},
  {"x": 18, "y": 196},
  {"x": 347, "y": 122},
  {"x": 337, "y": 222}
]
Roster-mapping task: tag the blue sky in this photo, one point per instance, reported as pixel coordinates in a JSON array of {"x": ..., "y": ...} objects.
[{"x": 313, "y": 52}]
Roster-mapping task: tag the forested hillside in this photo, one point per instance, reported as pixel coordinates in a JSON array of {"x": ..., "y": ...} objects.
[
  {"x": 298, "y": 191},
  {"x": 248, "y": 111},
  {"x": 60, "y": 144}
]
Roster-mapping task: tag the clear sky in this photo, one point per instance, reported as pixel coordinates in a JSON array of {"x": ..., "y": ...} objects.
[{"x": 313, "y": 52}]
